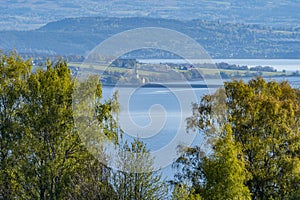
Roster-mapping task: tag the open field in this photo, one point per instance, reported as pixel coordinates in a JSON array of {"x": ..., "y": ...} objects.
[{"x": 155, "y": 73}]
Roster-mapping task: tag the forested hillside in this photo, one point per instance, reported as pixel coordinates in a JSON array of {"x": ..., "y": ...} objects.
[
  {"x": 222, "y": 40},
  {"x": 21, "y": 15}
]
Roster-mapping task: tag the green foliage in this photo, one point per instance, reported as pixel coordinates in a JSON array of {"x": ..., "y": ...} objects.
[
  {"x": 224, "y": 173},
  {"x": 13, "y": 74},
  {"x": 49, "y": 137},
  {"x": 52, "y": 146},
  {"x": 264, "y": 120},
  {"x": 182, "y": 193},
  {"x": 271, "y": 145},
  {"x": 92, "y": 180},
  {"x": 221, "y": 175},
  {"x": 136, "y": 178}
]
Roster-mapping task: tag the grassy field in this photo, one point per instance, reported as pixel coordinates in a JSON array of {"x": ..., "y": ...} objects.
[{"x": 143, "y": 71}]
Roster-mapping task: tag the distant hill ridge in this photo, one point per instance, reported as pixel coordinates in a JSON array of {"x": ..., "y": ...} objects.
[
  {"x": 221, "y": 40},
  {"x": 25, "y": 15}
]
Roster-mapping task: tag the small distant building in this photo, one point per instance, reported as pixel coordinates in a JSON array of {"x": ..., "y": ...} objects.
[
  {"x": 183, "y": 68},
  {"x": 136, "y": 72}
]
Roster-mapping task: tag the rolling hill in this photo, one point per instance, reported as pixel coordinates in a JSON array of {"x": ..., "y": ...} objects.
[
  {"x": 77, "y": 36},
  {"x": 25, "y": 14}
]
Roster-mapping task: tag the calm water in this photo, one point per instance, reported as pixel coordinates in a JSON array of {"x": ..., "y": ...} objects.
[
  {"x": 156, "y": 115},
  {"x": 279, "y": 64}
]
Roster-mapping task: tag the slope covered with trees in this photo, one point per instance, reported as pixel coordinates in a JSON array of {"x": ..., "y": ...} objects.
[
  {"x": 221, "y": 40},
  {"x": 22, "y": 15}
]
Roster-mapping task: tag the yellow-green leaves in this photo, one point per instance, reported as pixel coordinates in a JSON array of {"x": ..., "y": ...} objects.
[
  {"x": 258, "y": 141},
  {"x": 13, "y": 73}
]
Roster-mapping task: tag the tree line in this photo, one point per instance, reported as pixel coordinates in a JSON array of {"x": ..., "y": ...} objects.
[
  {"x": 41, "y": 153},
  {"x": 251, "y": 151},
  {"x": 254, "y": 151}
]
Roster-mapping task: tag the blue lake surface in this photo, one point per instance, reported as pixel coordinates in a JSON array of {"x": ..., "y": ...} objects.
[{"x": 166, "y": 108}]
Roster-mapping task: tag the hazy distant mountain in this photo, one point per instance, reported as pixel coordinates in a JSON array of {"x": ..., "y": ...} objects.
[
  {"x": 221, "y": 40},
  {"x": 30, "y": 14}
]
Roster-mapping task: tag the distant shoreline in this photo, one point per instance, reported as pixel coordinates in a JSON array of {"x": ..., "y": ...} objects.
[
  {"x": 157, "y": 85},
  {"x": 279, "y": 64},
  {"x": 193, "y": 84}
]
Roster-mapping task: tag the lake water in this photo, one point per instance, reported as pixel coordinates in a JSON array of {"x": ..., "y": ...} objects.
[
  {"x": 279, "y": 64},
  {"x": 157, "y": 116}
]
